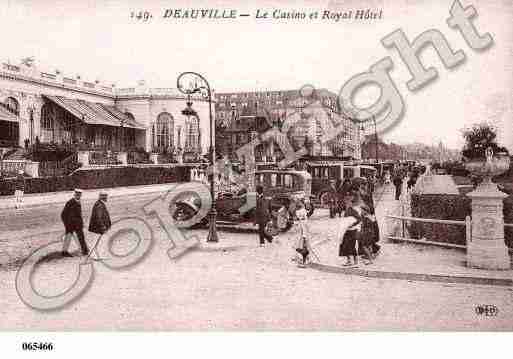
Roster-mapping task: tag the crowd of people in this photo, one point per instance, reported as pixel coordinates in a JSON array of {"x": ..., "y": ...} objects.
[{"x": 352, "y": 198}]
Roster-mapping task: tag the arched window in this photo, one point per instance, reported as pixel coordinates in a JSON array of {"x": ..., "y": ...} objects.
[
  {"x": 192, "y": 133},
  {"x": 12, "y": 105},
  {"x": 164, "y": 131},
  {"x": 47, "y": 123}
]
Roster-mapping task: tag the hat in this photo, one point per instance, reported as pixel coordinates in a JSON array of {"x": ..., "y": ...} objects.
[
  {"x": 77, "y": 190},
  {"x": 103, "y": 194}
]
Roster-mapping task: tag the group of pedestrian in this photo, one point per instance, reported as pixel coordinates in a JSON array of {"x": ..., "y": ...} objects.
[
  {"x": 351, "y": 198},
  {"x": 362, "y": 236},
  {"x": 335, "y": 194},
  {"x": 73, "y": 221},
  {"x": 400, "y": 175}
]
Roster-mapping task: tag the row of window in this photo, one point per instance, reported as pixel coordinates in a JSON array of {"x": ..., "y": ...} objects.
[
  {"x": 163, "y": 132},
  {"x": 253, "y": 94}
]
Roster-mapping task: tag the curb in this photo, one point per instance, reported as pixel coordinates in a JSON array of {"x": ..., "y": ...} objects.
[
  {"x": 52, "y": 202},
  {"x": 413, "y": 276}
]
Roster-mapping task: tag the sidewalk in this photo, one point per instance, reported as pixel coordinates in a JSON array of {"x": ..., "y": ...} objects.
[
  {"x": 404, "y": 260},
  {"x": 42, "y": 199}
]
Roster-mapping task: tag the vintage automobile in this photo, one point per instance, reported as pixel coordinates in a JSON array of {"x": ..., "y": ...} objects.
[
  {"x": 323, "y": 172},
  {"x": 282, "y": 187}
]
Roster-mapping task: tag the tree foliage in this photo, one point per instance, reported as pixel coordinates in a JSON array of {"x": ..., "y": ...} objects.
[{"x": 478, "y": 138}]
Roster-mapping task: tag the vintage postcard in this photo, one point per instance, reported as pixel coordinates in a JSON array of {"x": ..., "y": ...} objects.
[{"x": 224, "y": 165}]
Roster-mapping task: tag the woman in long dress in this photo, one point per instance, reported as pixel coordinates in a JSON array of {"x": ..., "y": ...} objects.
[
  {"x": 348, "y": 246},
  {"x": 370, "y": 227}
]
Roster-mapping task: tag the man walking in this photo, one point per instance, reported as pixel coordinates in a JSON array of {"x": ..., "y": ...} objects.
[
  {"x": 100, "y": 218},
  {"x": 73, "y": 223},
  {"x": 263, "y": 215},
  {"x": 398, "y": 183},
  {"x": 19, "y": 190},
  {"x": 332, "y": 198}
]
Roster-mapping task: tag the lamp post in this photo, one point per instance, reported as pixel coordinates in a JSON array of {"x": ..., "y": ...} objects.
[{"x": 187, "y": 83}]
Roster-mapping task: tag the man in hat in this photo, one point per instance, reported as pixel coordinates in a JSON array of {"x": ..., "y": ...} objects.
[
  {"x": 19, "y": 189},
  {"x": 262, "y": 216},
  {"x": 73, "y": 223},
  {"x": 332, "y": 198},
  {"x": 398, "y": 183},
  {"x": 100, "y": 218}
]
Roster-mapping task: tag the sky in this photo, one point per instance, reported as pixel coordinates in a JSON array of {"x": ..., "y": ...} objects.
[{"x": 100, "y": 40}]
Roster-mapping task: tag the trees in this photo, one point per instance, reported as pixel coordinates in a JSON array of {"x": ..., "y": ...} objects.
[{"x": 478, "y": 138}]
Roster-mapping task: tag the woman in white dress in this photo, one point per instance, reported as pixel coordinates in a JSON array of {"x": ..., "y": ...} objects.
[{"x": 302, "y": 245}]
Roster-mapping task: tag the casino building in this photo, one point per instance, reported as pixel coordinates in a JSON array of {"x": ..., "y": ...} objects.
[
  {"x": 48, "y": 108},
  {"x": 47, "y": 116}
]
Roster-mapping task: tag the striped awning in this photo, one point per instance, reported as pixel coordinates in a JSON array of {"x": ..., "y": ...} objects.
[
  {"x": 5, "y": 115},
  {"x": 95, "y": 113}
]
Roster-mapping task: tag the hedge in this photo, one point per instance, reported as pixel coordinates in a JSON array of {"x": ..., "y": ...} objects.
[
  {"x": 451, "y": 207},
  {"x": 101, "y": 178}
]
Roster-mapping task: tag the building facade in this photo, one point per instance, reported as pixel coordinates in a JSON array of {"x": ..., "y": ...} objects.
[
  {"x": 306, "y": 119},
  {"x": 48, "y": 107}
]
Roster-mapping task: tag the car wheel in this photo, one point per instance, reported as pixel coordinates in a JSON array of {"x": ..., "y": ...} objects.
[{"x": 184, "y": 212}]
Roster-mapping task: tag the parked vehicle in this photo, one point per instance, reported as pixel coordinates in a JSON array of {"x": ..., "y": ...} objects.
[
  {"x": 323, "y": 172},
  {"x": 283, "y": 187}
]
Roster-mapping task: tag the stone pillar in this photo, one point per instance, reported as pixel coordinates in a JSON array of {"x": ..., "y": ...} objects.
[
  {"x": 83, "y": 158},
  {"x": 154, "y": 157},
  {"x": 32, "y": 169},
  {"x": 123, "y": 157},
  {"x": 486, "y": 249}
]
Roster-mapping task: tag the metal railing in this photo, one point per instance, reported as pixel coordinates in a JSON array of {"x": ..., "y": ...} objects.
[
  {"x": 59, "y": 168},
  {"x": 407, "y": 230},
  {"x": 103, "y": 158},
  {"x": 402, "y": 231}
]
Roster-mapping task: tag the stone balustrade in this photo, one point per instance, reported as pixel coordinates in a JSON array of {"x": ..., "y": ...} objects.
[
  {"x": 33, "y": 73},
  {"x": 58, "y": 78}
]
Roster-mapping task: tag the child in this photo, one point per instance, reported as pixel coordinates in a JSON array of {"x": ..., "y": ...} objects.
[
  {"x": 303, "y": 243},
  {"x": 19, "y": 189}
]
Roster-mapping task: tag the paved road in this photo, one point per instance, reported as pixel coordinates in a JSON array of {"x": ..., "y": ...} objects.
[
  {"x": 248, "y": 288},
  {"x": 48, "y": 216}
]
